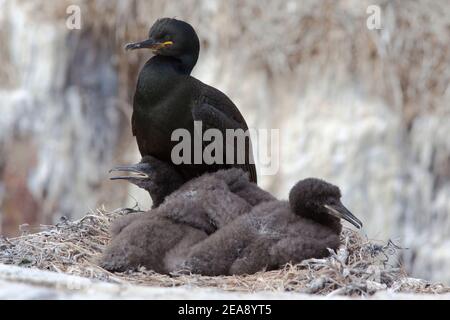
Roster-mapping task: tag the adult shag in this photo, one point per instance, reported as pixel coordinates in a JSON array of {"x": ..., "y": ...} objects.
[{"x": 168, "y": 98}]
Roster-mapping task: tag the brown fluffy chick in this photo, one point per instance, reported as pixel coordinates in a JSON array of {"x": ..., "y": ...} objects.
[
  {"x": 151, "y": 241},
  {"x": 275, "y": 233},
  {"x": 161, "y": 239},
  {"x": 158, "y": 178},
  {"x": 208, "y": 202},
  {"x": 174, "y": 237}
]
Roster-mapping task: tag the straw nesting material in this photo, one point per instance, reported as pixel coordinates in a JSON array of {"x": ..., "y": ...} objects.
[{"x": 360, "y": 268}]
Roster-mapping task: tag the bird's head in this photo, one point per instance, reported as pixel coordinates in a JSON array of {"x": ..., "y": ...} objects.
[
  {"x": 141, "y": 175},
  {"x": 320, "y": 201},
  {"x": 171, "y": 38},
  {"x": 158, "y": 178}
]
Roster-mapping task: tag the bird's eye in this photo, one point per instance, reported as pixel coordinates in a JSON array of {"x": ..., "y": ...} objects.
[{"x": 331, "y": 201}]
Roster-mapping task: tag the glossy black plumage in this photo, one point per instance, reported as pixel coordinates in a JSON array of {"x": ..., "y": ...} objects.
[{"x": 168, "y": 98}]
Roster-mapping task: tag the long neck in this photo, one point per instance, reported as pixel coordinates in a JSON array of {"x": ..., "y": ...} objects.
[
  {"x": 164, "y": 66},
  {"x": 180, "y": 65},
  {"x": 156, "y": 79},
  {"x": 159, "y": 75},
  {"x": 188, "y": 62}
]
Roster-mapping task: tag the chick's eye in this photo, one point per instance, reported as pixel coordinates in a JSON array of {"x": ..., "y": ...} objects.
[{"x": 331, "y": 201}]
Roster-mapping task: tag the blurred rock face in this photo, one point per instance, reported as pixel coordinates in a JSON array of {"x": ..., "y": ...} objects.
[
  {"x": 60, "y": 109},
  {"x": 367, "y": 110}
]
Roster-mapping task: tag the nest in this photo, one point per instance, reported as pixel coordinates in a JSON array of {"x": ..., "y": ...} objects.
[{"x": 359, "y": 268}]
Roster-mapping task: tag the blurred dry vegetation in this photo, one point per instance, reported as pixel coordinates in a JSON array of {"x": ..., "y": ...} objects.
[{"x": 367, "y": 109}]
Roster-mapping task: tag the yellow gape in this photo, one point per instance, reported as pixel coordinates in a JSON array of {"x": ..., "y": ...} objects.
[{"x": 167, "y": 44}]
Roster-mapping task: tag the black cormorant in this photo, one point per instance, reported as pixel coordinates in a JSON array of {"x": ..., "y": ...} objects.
[{"x": 168, "y": 98}]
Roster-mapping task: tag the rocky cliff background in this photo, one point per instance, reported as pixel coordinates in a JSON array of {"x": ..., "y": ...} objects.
[{"x": 366, "y": 109}]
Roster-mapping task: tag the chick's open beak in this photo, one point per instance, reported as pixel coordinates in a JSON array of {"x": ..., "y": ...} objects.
[
  {"x": 341, "y": 212},
  {"x": 148, "y": 44},
  {"x": 136, "y": 172}
]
